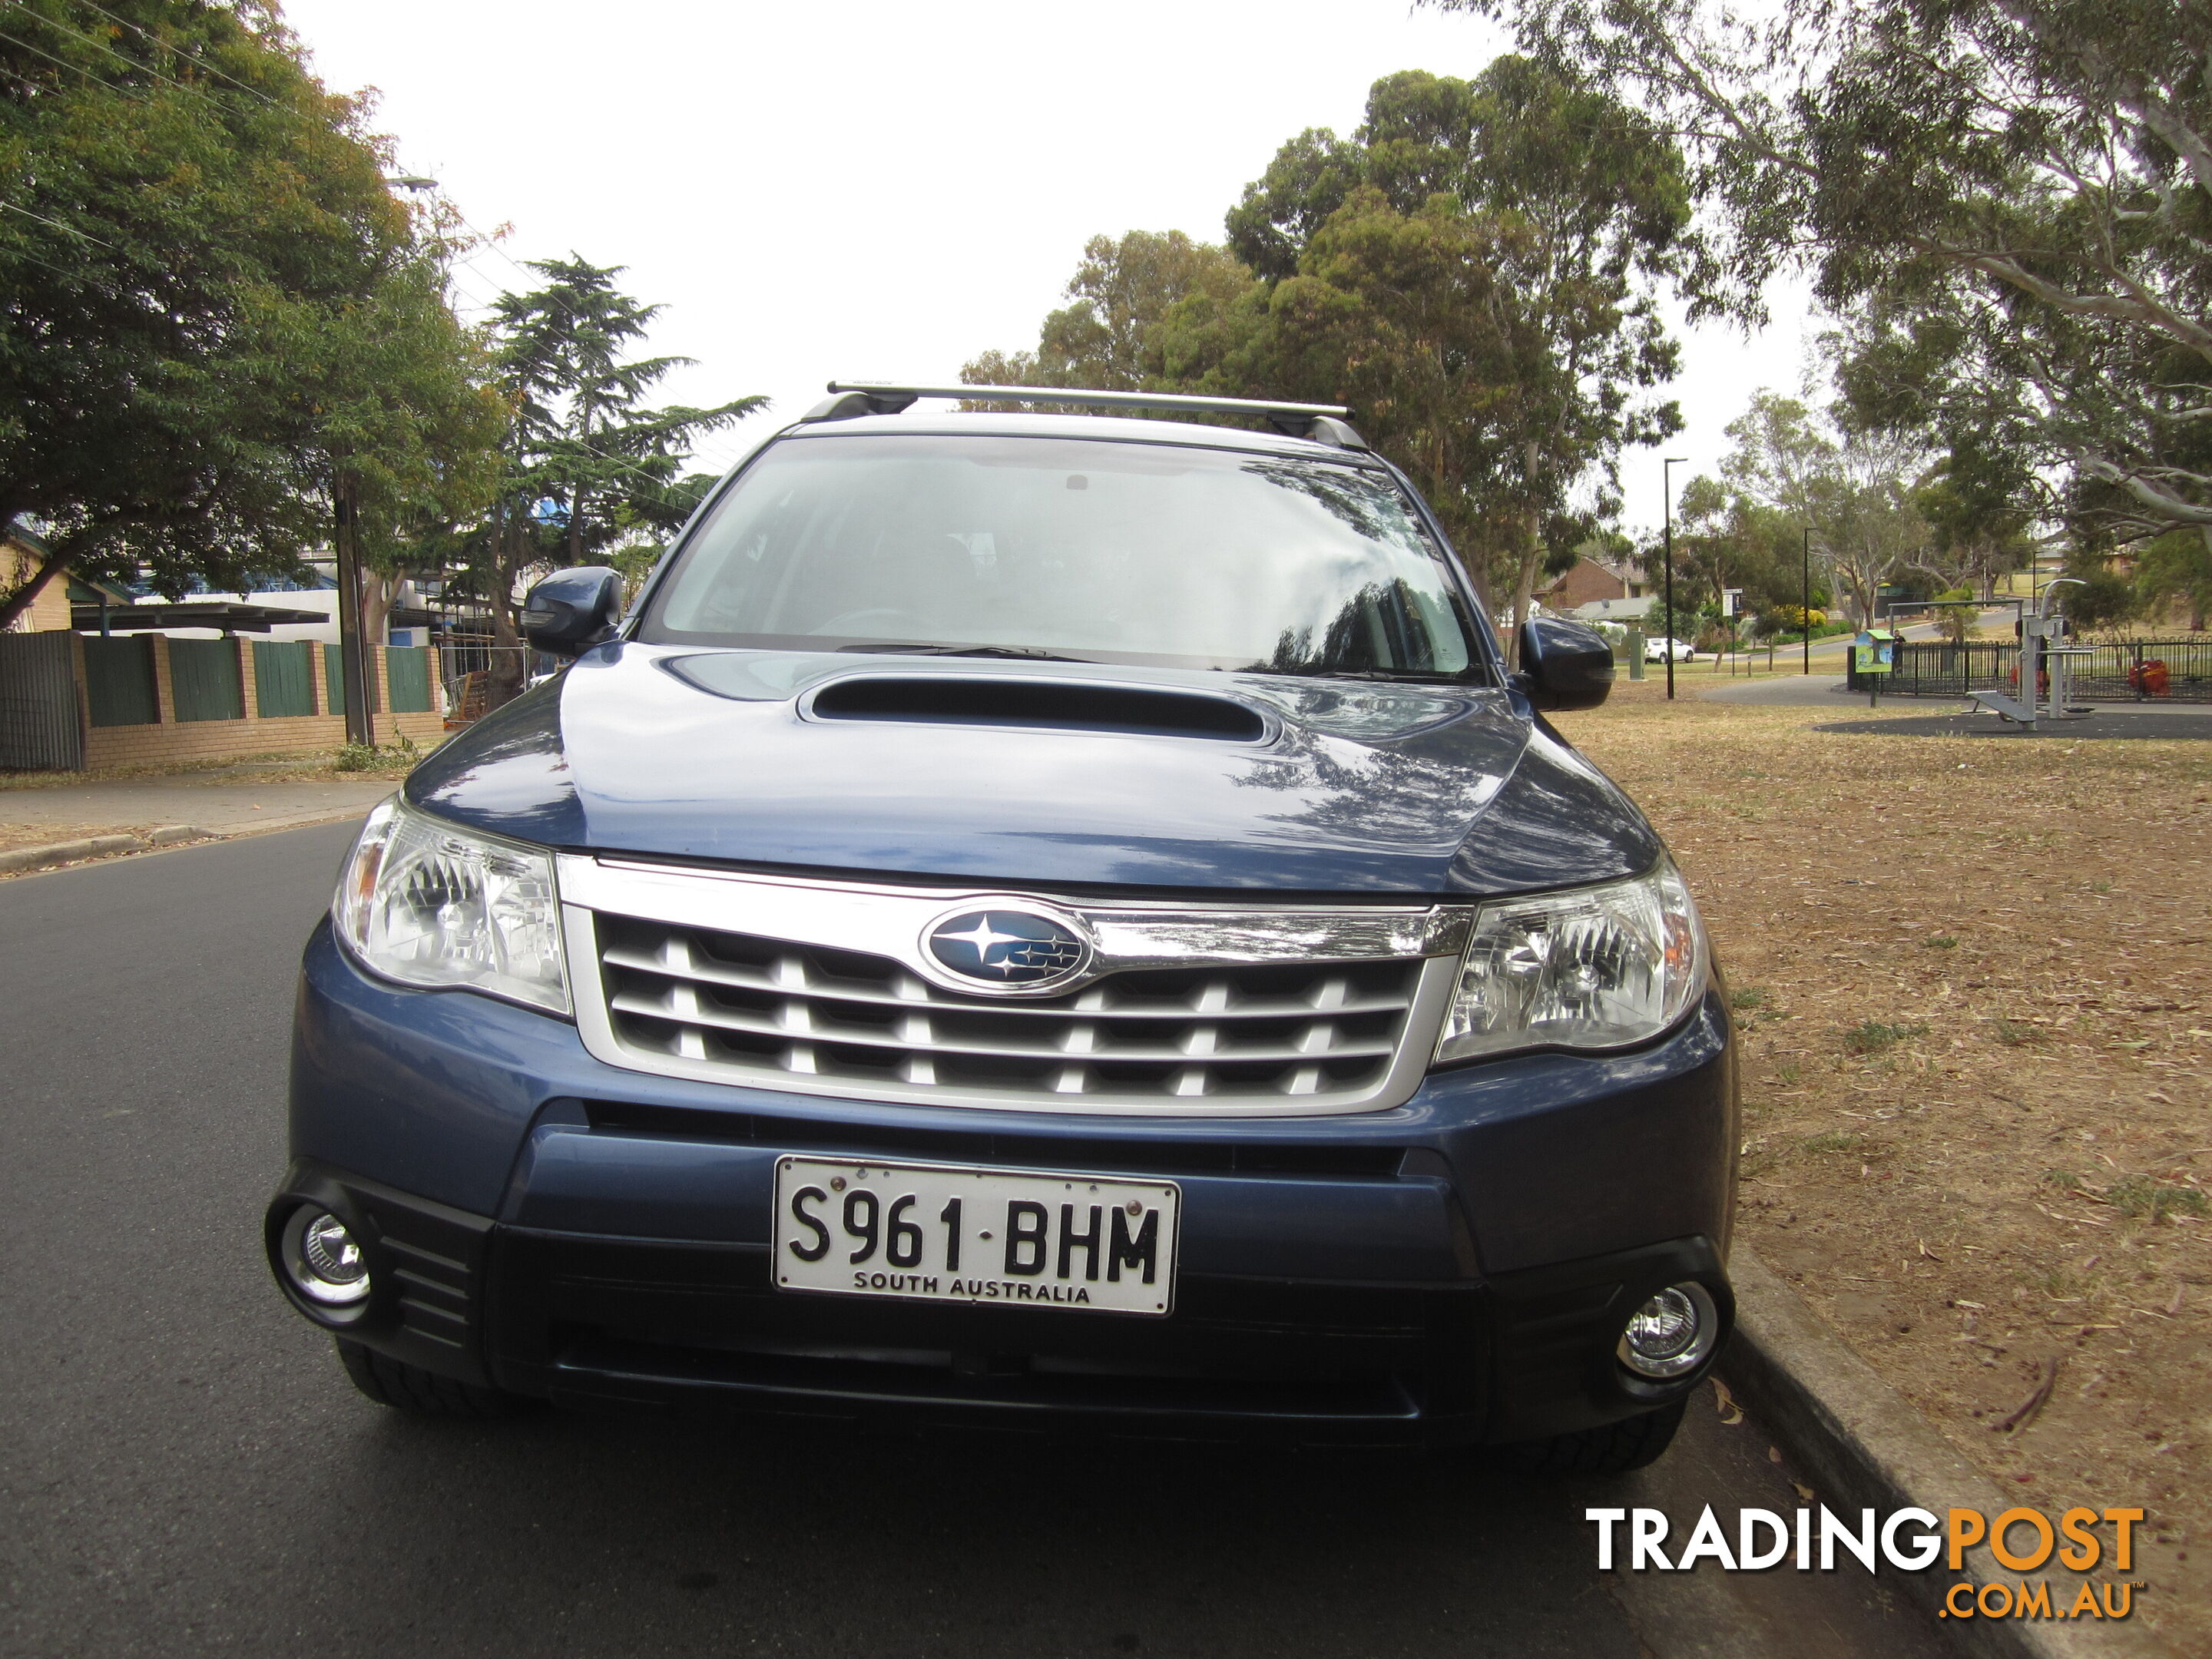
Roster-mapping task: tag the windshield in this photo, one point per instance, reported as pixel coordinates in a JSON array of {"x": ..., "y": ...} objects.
[{"x": 1068, "y": 548}]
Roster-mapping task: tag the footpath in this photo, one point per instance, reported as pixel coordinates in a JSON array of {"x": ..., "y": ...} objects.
[{"x": 41, "y": 827}]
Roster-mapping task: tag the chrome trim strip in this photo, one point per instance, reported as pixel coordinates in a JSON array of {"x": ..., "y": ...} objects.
[{"x": 890, "y": 922}]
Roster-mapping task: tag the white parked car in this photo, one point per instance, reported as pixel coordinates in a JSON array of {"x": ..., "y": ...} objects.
[{"x": 1656, "y": 650}]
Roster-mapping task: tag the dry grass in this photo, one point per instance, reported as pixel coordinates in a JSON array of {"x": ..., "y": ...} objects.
[
  {"x": 1973, "y": 980},
  {"x": 259, "y": 769}
]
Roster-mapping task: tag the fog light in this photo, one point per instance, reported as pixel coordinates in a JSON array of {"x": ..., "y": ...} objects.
[
  {"x": 1671, "y": 1334},
  {"x": 323, "y": 1261}
]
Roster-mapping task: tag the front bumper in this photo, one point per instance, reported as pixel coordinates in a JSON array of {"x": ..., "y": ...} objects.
[{"x": 1454, "y": 1269}]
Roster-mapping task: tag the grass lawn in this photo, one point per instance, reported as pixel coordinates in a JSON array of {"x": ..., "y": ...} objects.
[{"x": 1973, "y": 977}]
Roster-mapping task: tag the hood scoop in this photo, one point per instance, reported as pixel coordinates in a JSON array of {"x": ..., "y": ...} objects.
[{"x": 1035, "y": 704}]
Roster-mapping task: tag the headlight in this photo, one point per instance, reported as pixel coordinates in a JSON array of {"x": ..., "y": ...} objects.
[
  {"x": 1599, "y": 967},
  {"x": 427, "y": 904}
]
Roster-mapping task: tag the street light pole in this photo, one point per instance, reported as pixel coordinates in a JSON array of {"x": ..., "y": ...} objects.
[
  {"x": 1806, "y": 610},
  {"x": 1666, "y": 492}
]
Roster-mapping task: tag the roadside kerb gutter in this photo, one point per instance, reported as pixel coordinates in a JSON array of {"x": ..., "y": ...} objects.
[
  {"x": 99, "y": 847},
  {"x": 1862, "y": 1445},
  {"x": 21, "y": 860}
]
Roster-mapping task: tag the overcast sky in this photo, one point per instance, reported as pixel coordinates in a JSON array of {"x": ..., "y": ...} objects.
[{"x": 875, "y": 191}]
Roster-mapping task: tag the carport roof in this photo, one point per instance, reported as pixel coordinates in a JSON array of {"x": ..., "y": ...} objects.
[{"x": 231, "y": 614}]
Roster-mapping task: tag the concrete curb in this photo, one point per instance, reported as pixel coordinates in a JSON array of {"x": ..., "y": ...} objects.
[
  {"x": 1862, "y": 1445},
  {"x": 95, "y": 847}
]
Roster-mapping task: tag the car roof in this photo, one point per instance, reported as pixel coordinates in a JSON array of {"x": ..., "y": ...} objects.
[{"x": 1108, "y": 427}]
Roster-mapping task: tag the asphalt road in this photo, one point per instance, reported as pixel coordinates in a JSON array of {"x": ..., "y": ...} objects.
[{"x": 183, "y": 1470}]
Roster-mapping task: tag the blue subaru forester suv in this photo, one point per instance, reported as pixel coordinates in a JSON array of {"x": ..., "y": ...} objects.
[{"x": 1032, "y": 918}]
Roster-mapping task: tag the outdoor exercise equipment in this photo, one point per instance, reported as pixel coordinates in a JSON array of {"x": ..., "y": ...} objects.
[{"x": 2043, "y": 683}]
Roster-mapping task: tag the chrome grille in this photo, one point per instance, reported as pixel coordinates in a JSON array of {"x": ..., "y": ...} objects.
[
  {"x": 828, "y": 987},
  {"x": 778, "y": 1011}
]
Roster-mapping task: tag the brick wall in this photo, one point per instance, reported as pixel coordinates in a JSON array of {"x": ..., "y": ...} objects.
[
  {"x": 293, "y": 734},
  {"x": 1587, "y": 581}
]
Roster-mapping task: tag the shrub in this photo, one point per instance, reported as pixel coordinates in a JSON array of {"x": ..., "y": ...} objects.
[
  {"x": 371, "y": 757},
  {"x": 1873, "y": 1037},
  {"x": 2140, "y": 1195}
]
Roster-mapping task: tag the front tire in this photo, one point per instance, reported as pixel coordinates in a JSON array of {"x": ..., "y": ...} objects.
[
  {"x": 411, "y": 1389},
  {"x": 1610, "y": 1449}
]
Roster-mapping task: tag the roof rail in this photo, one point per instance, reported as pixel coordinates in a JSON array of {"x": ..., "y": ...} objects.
[{"x": 1320, "y": 421}]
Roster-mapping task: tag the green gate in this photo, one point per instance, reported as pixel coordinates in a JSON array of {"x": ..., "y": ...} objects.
[
  {"x": 119, "y": 681},
  {"x": 204, "y": 680},
  {"x": 407, "y": 670},
  {"x": 283, "y": 678}
]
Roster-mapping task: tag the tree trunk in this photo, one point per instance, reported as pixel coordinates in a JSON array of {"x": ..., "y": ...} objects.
[
  {"x": 380, "y": 592},
  {"x": 576, "y": 494},
  {"x": 509, "y": 671},
  {"x": 2197, "y": 591},
  {"x": 27, "y": 592},
  {"x": 1524, "y": 585}
]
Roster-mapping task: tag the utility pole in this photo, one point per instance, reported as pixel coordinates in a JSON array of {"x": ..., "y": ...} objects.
[
  {"x": 1667, "y": 491},
  {"x": 1805, "y": 611},
  {"x": 355, "y": 652}
]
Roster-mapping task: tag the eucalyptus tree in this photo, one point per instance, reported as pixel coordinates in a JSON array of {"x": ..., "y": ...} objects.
[
  {"x": 2013, "y": 197},
  {"x": 1851, "y": 487},
  {"x": 1478, "y": 268},
  {"x": 1108, "y": 336}
]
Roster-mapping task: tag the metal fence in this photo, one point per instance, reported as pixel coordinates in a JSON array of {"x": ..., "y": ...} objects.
[
  {"x": 39, "y": 726},
  {"x": 119, "y": 680},
  {"x": 2140, "y": 671},
  {"x": 479, "y": 674}
]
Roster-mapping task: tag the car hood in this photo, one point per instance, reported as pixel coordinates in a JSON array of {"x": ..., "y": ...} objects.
[{"x": 1352, "y": 786}]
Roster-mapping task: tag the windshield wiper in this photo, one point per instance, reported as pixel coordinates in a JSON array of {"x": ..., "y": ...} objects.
[{"x": 1028, "y": 653}]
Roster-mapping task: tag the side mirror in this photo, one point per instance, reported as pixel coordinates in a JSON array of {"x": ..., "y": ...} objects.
[
  {"x": 571, "y": 611},
  {"x": 1564, "y": 665}
]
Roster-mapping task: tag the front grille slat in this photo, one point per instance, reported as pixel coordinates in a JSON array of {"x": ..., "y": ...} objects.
[
  {"x": 763, "y": 1011},
  {"x": 1330, "y": 995},
  {"x": 1203, "y": 1040}
]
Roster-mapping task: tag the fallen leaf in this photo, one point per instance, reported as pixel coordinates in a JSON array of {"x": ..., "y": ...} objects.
[
  {"x": 2175, "y": 1306},
  {"x": 1930, "y": 1253},
  {"x": 1732, "y": 1413},
  {"x": 1774, "y": 1453},
  {"x": 1803, "y": 1491}
]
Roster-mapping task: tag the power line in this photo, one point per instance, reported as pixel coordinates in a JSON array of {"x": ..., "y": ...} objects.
[
  {"x": 151, "y": 39},
  {"x": 16, "y": 208},
  {"x": 42, "y": 51},
  {"x": 99, "y": 45},
  {"x": 82, "y": 274}
]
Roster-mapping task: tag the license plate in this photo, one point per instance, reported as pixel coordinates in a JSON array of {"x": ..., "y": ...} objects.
[{"x": 933, "y": 1232}]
